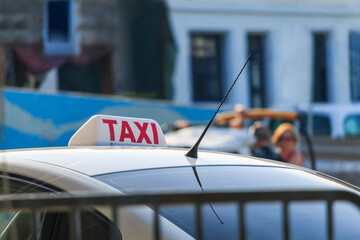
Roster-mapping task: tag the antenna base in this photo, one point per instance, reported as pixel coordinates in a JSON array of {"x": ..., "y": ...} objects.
[{"x": 192, "y": 153}]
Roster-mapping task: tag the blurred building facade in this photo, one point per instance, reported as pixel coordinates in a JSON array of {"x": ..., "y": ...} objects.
[
  {"x": 303, "y": 51},
  {"x": 121, "y": 46}
]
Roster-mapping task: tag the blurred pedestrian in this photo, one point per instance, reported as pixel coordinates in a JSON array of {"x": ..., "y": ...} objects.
[
  {"x": 240, "y": 117},
  {"x": 262, "y": 146},
  {"x": 180, "y": 124},
  {"x": 285, "y": 139}
]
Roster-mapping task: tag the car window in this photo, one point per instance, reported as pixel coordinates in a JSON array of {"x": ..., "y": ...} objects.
[
  {"x": 308, "y": 220},
  {"x": 17, "y": 219},
  {"x": 215, "y": 178},
  {"x": 220, "y": 221},
  {"x": 5, "y": 218},
  {"x": 94, "y": 226},
  {"x": 54, "y": 224},
  {"x": 321, "y": 124},
  {"x": 346, "y": 215},
  {"x": 352, "y": 126}
]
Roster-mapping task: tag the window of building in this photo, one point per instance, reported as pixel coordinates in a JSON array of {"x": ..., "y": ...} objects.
[
  {"x": 206, "y": 61},
  {"x": 355, "y": 65},
  {"x": 58, "y": 22},
  {"x": 320, "y": 74},
  {"x": 257, "y": 82},
  {"x": 60, "y": 28}
]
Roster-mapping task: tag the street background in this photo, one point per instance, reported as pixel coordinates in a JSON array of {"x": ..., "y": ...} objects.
[{"x": 63, "y": 61}]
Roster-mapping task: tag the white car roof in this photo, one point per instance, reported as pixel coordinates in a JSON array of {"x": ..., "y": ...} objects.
[
  {"x": 101, "y": 160},
  {"x": 93, "y": 161}
]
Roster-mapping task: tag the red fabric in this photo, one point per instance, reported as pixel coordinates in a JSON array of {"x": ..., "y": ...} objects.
[
  {"x": 32, "y": 56},
  {"x": 289, "y": 156},
  {"x": 89, "y": 54}
]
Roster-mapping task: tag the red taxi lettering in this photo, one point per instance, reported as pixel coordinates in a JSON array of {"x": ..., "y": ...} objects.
[
  {"x": 111, "y": 127},
  {"x": 143, "y": 133},
  {"x": 156, "y": 137},
  {"x": 126, "y": 132}
]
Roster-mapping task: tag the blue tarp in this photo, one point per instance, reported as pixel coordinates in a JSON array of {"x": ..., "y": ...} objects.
[{"x": 34, "y": 119}]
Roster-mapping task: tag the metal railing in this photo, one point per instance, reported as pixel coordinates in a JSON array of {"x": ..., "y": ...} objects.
[{"x": 35, "y": 203}]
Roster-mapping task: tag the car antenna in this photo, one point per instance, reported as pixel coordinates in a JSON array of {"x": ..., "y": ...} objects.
[{"x": 194, "y": 149}]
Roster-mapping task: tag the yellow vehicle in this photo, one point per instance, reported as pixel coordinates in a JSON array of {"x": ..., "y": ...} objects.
[{"x": 259, "y": 114}]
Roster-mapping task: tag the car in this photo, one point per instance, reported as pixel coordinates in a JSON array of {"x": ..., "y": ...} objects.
[
  {"x": 218, "y": 138},
  {"x": 336, "y": 121},
  {"x": 334, "y": 129},
  {"x": 129, "y": 156},
  {"x": 221, "y": 137}
]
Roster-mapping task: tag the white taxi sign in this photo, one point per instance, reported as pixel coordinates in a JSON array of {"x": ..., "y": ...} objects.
[{"x": 103, "y": 130}]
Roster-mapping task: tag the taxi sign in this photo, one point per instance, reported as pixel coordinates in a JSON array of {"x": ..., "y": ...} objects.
[{"x": 104, "y": 130}]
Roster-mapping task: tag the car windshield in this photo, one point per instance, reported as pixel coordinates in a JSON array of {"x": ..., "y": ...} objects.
[
  {"x": 220, "y": 220},
  {"x": 352, "y": 126}
]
